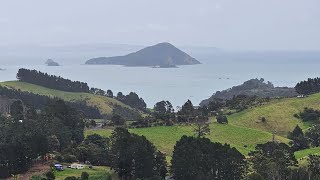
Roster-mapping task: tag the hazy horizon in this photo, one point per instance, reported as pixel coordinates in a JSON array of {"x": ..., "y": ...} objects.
[{"x": 266, "y": 25}]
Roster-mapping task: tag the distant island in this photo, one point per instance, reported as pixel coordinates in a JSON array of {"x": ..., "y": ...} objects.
[
  {"x": 252, "y": 87},
  {"x": 50, "y": 62},
  {"x": 162, "y": 55}
]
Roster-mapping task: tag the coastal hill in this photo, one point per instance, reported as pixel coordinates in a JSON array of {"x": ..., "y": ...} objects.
[
  {"x": 159, "y": 55},
  {"x": 253, "y": 87}
]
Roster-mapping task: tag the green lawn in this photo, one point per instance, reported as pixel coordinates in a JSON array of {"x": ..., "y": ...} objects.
[
  {"x": 306, "y": 152},
  {"x": 279, "y": 115},
  {"x": 165, "y": 137},
  {"x": 104, "y": 104},
  {"x": 98, "y": 172}
]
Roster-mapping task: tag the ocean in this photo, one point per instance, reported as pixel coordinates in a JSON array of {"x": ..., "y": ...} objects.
[{"x": 177, "y": 85}]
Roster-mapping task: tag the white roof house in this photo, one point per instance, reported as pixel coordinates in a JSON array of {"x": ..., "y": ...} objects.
[{"x": 77, "y": 166}]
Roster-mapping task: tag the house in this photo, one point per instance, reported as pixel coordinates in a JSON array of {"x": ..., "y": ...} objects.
[
  {"x": 76, "y": 166},
  {"x": 58, "y": 167}
]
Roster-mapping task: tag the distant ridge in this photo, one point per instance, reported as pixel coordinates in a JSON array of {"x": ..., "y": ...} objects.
[{"x": 162, "y": 54}]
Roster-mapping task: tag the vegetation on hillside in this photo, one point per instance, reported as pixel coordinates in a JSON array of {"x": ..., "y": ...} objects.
[
  {"x": 103, "y": 103},
  {"x": 51, "y": 81},
  {"x": 310, "y": 86}
]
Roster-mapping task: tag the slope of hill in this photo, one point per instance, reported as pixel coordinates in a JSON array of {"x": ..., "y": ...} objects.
[
  {"x": 253, "y": 87},
  {"x": 163, "y": 54},
  {"x": 244, "y": 130},
  {"x": 103, "y": 103},
  {"x": 278, "y": 113},
  {"x": 165, "y": 137}
]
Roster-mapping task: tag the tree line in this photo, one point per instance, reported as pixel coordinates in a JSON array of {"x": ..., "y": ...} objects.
[
  {"x": 40, "y": 101},
  {"x": 51, "y": 81},
  {"x": 310, "y": 86}
]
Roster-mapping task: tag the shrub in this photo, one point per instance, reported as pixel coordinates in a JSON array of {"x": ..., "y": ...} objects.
[
  {"x": 50, "y": 175},
  {"x": 71, "y": 178},
  {"x": 84, "y": 176},
  {"x": 222, "y": 119}
]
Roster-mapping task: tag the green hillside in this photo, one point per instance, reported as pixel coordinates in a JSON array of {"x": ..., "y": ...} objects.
[
  {"x": 165, "y": 137},
  {"x": 103, "y": 103},
  {"x": 244, "y": 130},
  {"x": 278, "y": 114}
]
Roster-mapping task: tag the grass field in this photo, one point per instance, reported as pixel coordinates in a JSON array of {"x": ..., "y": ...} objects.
[
  {"x": 278, "y": 113},
  {"x": 97, "y": 173},
  {"x": 104, "y": 104},
  {"x": 165, "y": 137},
  {"x": 306, "y": 152}
]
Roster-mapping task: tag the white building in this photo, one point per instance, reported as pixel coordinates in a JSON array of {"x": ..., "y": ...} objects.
[{"x": 77, "y": 166}]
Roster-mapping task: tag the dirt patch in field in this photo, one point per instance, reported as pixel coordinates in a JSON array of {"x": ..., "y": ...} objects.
[{"x": 37, "y": 169}]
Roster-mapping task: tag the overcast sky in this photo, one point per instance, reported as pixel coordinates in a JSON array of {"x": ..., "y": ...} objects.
[{"x": 226, "y": 24}]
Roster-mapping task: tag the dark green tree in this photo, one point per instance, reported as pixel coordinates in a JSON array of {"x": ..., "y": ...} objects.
[
  {"x": 313, "y": 135},
  {"x": 163, "y": 110},
  {"x": 134, "y": 156},
  {"x": 273, "y": 160},
  {"x": 200, "y": 159},
  {"x": 109, "y": 93},
  {"x": 117, "y": 120},
  {"x": 222, "y": 119},
  {"x": 299, "y": 141}
]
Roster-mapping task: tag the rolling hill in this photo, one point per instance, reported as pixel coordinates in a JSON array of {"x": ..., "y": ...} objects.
[
  {"x": 278, "y": 113},
  {"x": 103, "y": 103},
  {"x": 162, "y": 54},
  {"x": 244, "y": 130}
]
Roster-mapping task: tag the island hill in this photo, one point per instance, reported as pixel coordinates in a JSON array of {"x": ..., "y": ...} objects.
[
  {"x": 160, "y": 55},
  {"x": 51, "y": 62}
]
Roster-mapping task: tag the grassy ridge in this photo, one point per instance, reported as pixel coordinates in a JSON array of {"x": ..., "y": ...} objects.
[
  {"x": 104, "y": 104},
  {"x": 165, "y": 137},
  {"x": 279, "y": 115}
]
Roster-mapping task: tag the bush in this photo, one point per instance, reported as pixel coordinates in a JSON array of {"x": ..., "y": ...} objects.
[
  {"x": 71, "y": 178},
  {"x": 222, "y": 119},
  {"x": 84, "y": 176},
  {"x": 50, "y": 175},
  {"x": 38, "y": 177}
]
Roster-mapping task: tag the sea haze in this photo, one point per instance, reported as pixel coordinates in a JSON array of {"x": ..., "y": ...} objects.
[{"x": 220, "y": 70}]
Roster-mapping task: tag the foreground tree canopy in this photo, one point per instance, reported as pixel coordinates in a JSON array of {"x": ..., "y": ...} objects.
[{"x": 200, "y": 159}]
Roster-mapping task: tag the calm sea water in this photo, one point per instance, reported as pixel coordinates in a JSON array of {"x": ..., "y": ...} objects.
[{"x": 176, "y": 84}]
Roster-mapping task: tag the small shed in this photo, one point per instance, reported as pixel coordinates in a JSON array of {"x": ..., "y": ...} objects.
[
  {"x": 58, "y": 167},
  {"x": 77, "y": 166}
]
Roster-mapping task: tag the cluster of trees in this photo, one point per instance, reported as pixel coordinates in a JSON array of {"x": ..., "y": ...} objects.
[
  {"x": 310, "y": 86},
  {"x": 276, "y": 161},
  {"x": 51, "y": 81},
  {"x": 273, "y": 160},
  {"x": 308, "y": 114},
  {"x": 27, "y": 135},
  {"x": 40, "y": 102},
  {"x": 301, "y": 140},
  {"x": 134, "y": 157},
  {"x": 133, "y": 100},
  {"x": 238, "y": 103},
  {"x": 101, "y": 92},
  {"x": 200, "y": 159}
]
